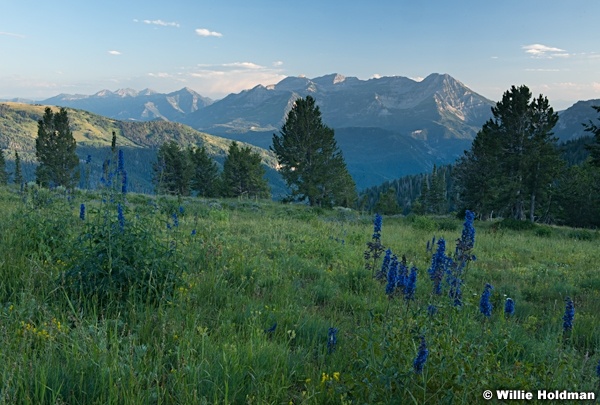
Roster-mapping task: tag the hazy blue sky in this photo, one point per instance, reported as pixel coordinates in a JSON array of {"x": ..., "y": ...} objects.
[{"x": 219, "y": 47}]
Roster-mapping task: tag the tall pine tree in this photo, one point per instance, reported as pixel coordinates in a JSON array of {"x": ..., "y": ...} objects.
[
  {"x": 18, "y": 173},
  {"x": 205, "y": 173},
  {"x": 243, "y": 174},
  {"x": 3, "y": 173},
  {"x": 172, "y": 170},
  {"x": 310, "y": 161},
  {"x": 594, "y": 148},
  {"x": 55, "y": 150},
  {"x": 513, "y": 159}
]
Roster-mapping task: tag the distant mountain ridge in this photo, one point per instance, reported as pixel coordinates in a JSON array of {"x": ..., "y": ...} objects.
[
  {"x": 131, "y": 105},
  {"x": 438, "y": 107},
  {"x": 386, "y": 127}
]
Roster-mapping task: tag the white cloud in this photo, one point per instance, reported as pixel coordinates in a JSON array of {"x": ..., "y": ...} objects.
[
  {"x": 114, "y": 53},
  {"x": 417, "y": 79},
  {"x": 278, "y": 63},
  {"x": 161, "y": 75},
  {"x": 218, "y": 80},
  {"x": 243, "y": 65},
  {"x": 11, "y": 34},
  {"x": 543, "y": 51},
  {"x": 376, "y": 76},
  {"x": 203, "y": 32},
  {"x": 161, "y": 23},
  {"x": 542, "y": 70}
]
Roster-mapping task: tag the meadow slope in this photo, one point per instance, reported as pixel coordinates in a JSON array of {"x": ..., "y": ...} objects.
[{"x": 271, "y": 304}]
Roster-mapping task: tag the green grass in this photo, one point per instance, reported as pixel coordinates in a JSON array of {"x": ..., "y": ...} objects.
[{"x": 252, "y": 264}]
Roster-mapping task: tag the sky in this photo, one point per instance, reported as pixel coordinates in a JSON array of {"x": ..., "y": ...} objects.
[{"x": 222, "y": 47}]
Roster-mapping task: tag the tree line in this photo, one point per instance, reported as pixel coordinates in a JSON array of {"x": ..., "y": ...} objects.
[
  {"x": 191, "y": 171},
  {"x": 514, "y": 169},
  {"x": 309, "y": 161}
]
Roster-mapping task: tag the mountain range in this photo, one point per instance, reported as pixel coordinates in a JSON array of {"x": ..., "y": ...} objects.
[
  {"x": 131, "y": 105},
  {"x": 386, "y": 127}
]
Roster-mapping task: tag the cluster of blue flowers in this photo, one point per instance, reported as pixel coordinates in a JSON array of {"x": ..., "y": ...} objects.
[
  {"x": 374, "y": 247},
  {"x": 421, "y": 358},
  {"x": 399, "y": 279},
  {"x": 439, "y": 266},
  {"x": 82, "y": 211},
  {"x": 485, "y": 306},
  {"x": 377, "y": 222},
  {"x": 509, "y": 307},
  {"x": 569, "y": 315}
]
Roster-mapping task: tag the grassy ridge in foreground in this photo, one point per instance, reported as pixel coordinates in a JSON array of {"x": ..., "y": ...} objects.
[{"x": 262, "y": 284}]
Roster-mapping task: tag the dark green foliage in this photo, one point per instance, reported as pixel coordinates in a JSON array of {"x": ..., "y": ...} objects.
[
  {"x": 55, "y": 150},
  {"x": 243, "y": 174},
  {"x": 434, "y": 196},
  {"x": 205, "y": 173},
  {"x": 3, "y": 174},
  {"x": 408, "y": 191},
  {"x": 388, "y": 203},
  {"x": 577, "y": 196},
  {"x": 115, "y": 262},
  {"x": 18, "y": 174},
  {"x": 513, "y": 161},
  {"x": 310, "y": 161},
  {"x": 595, "y": 147},
  {"x": 172, "y": 170},
  {"x": 575, "y": 151},
  {"x": 117, "y": 258}
]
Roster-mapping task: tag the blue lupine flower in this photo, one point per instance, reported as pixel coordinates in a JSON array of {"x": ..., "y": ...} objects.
[
  {"x": 120, "y": 162},
  {"x": 124, "y": 183},
  {"x": 120, "y": 216},
  {"x": 432, "y": 310},
  {"x": 175, "y": 220},
  {"x": 392, "y": 276},
  {"x": 88, "y": 159},
  {"x": 331, "y": 339},
  {"x": 181, "y": 210},
  {"x": 485, "y": 306},
  {"x": 411, "y": 284},
  {"x": 421, "y": 356},
  {"x": 193, "y": 232},
  {"x": 377, "y": 222},
  {"x": 454, "y": 280},
  {"x": 385, "y": 265},
  {"x": 402, "y": 275},
  {"x": 468, "y": 234},
  {"x": 439, "y": 263},
  {"x": 598, "y": 369},
  {"x": 569, "y": 315},
  {"x": 509, "y": 307},
  {"x": 82, "y": 211}
]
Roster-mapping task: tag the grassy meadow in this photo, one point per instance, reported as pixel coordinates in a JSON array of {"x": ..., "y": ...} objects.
[{"x": 237, "y": 299}]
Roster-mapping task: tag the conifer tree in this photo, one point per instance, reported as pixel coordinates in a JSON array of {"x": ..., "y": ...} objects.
[
  {"x": 18, "y": 174},
  {"x": 205, "y": 173},
  {"x": 513, "y": 158},
  {"x": 243, "y": 174},
  {"x": 172, "y": 170},
  {"x": 3, "y": 174},
  {"x": 595, "y": 147},
  {"x": 55, "y": 150},
  {"x": 310, "y": 161}
]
